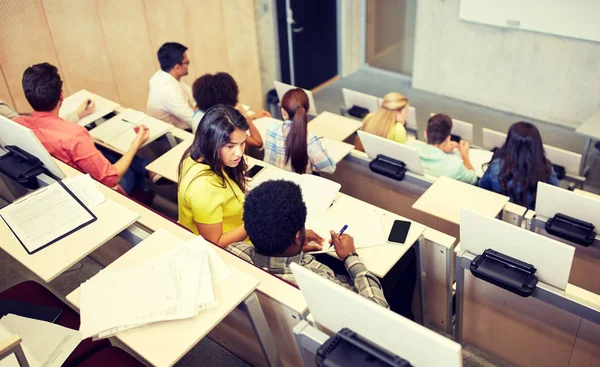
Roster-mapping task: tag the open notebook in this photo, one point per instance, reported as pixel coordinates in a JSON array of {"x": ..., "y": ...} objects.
[
  {"x": 119, "y": 132},
  {"x": 72, "y": 102}
]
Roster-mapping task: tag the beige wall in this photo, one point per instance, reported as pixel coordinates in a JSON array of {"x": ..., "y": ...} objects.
[
  {"x": 551, "y": 78},
  {"x": 109, "y": 46}
]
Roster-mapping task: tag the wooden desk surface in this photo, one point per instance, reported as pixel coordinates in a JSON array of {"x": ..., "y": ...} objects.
[
  {"x": 164, "y": 343},
  {"x": 333, "y": 126},
  {"x": 270, "y": 285},
  {"x": 446, "y": 196},
  {"x": 167, "y": 165},
  {"x": 53, "y": 260}
]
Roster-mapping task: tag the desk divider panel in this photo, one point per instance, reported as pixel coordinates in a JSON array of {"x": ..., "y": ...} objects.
[
  {"x": 551, "y": 200},
  {"x": 354, "y": 98},
  {"x": 551, "y": 258}
]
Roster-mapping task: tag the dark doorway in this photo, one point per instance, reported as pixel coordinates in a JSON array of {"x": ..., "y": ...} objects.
[{"x": 313, "y": 31}]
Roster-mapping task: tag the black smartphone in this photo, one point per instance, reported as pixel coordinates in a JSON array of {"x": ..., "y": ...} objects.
[
  {"x": 254, "y": 171},
  {"x": 399, "y": 231}
]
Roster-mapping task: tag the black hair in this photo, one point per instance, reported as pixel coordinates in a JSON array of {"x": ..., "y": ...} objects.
[
  {"x": 170, "y": 54},
  {"x": 525, "y": 163},
  {"x": 273, "y": 213},
  {"x": 42, "y": 86},
  {"x": 210, "y": 90},
  {"x": 214, "y": 131},
  {"x": 438, "y": 128}
]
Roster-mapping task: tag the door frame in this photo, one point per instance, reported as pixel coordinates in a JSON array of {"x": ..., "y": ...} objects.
[{"x": 363, "y": 46}]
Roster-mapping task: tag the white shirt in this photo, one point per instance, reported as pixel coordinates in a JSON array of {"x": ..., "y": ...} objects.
[{"x": 170, "y": 100}]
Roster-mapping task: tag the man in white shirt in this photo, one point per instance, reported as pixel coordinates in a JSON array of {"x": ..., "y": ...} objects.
[{"x": 170, "y": 99}]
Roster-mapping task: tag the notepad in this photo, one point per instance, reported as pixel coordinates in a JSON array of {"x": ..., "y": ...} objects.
[
  {"x": 72, "y": 103},
  {"x": 119, "y": 132},
  {"x": 45, "y": 216},
  {"x": 84, "y": 187},
  {"x": 479, "y": 158},
  {"x": 44, "y": 344}
]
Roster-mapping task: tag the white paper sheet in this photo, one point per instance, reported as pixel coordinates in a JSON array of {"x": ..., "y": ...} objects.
[
  {"x": 84, "y": 187},
  {"x": 119, "y": 131},
  {"x": 72, "y": 102},
  {"x": 44, "y": 344},
  {"x": 479, "y": 158},
  {"x": 44, "y": 215}
]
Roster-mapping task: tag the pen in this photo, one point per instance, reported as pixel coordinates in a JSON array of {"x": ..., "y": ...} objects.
[
  {"x": 341, "y": 233},
  {"x": 87, "y": 104}
]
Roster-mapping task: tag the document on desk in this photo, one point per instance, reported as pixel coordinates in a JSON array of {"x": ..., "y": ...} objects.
[
  {"x": 45, "y": 216},
  {"x": 84, "y": 187},
  {"x": 44, "y": 344},
  {"x": 479, "y": 159},
  {"x": 72, "y": 103},
  {"x": 368, "y": 229},
  {"x": 119, "y": 132}
]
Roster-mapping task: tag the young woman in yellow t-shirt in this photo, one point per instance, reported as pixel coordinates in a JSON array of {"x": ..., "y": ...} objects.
[
  {"x": 212, "y": 177},
  {"x": 389, "y": 121}
]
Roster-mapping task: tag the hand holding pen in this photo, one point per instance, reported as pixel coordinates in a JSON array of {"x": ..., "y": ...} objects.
[{"x": 343, "y": 243}]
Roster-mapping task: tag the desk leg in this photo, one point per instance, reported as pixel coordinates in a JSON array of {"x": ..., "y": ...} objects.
[
  {"x": 586, "y": 153},
  {"x": 460, "y": 289},
  {"x": 420, "y": 279},
  {"x": 171, "y": 140},
  {"x": 255, "y": 314},
  {"x": 449, "y": 283}
]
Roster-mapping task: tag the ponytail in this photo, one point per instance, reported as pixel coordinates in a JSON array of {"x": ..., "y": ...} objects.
[{"x": 295, "y": 143}]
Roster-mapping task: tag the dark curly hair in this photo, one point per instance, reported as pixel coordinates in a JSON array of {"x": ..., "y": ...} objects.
[
  {"x": 273, "y": 213},
  {"x": 210, "y": 90}
]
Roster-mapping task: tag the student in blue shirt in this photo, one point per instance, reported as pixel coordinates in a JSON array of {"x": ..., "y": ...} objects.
[
  {"x": 517, "y": 167},
  {"x": 434, "y": 155}
]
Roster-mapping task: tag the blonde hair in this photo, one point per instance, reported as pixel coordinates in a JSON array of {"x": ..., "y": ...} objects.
[{"x": 382, "y": 122}]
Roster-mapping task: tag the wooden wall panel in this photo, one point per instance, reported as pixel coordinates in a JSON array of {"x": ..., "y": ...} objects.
[
  {"x": 242, "y": 47},
  {"x": 24, "y": 40},
  {"x": 168, "y": 22},
  {"x": 130, "y": 51},
  {"x": 77, "y": 34},
  {"x": 210, "y": 54},
  {"x": 4, "y": 92}
]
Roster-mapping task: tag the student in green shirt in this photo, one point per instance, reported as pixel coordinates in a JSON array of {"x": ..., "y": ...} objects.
[{"x": 434, "y": 155}]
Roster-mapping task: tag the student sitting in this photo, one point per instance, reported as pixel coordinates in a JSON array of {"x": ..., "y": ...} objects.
[
  {"x": 291, "y": 146},
  {"x": 434, "y": 155},
  {"x": 72, "y": 143},
  {"x": 212, "y": 177},
  {"x": 389, "y": 121},
  {"x": 275, "y": 215},
  {"x": 170, "y": 99},
  {"x": 210, "y": 90},
  {"x": 518, "y": 166}
]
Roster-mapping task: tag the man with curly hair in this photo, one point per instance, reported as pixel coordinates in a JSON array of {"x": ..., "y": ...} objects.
[{"x": 274, "y": 218}]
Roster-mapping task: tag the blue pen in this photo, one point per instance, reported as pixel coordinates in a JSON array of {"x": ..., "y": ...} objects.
[{"x": 341, "y": 233}]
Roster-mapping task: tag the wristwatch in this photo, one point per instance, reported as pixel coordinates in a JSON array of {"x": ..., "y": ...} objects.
[{"x": 350, "y": 254}]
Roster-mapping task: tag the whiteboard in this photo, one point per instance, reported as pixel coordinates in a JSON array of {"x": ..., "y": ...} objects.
[{"x": 568, "y": 18}]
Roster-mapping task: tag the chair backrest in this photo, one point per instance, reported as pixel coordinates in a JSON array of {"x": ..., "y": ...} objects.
[
  {"x": 354, "y": 98},
  {"x": 375, "y": 145},
  {"x": 461, "y": 128},
  {"x": 282, "y": 88},
  {"x": 569, "y": 160}
]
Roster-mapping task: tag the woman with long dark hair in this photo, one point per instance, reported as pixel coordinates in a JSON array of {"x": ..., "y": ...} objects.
[
  {"x": 518, "y": 166},
  {"x": 291, "y": 146},
  {"x": 212, "y": 177}
]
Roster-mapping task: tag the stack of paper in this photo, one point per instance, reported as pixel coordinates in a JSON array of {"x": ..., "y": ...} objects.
[
  {"x": 119, "y": 132},
  {"x": 173, "y": 286},
  {"x": 72, "y": 103},
  {"x": 43, "y": 343},
  {"x": 479, "y": 159},
  {"x": 84, "y": 187}
]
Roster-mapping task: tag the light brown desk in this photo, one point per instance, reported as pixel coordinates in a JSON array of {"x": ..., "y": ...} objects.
[
  {"x": 333, "y": 126},
  {"x": 445, "y": 197},
  {"x": 164, "y": 343},
  {"x": 53, "y": 260}
]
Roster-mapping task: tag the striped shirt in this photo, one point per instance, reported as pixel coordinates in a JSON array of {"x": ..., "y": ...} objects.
[
  {"x": 361, "y": 280},
  {"x": 318, "y": 159}
]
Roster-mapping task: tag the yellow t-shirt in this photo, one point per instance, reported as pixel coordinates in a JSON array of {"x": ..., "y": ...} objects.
[
  {"x": 396, "y": 133},
  {"x": 203, "y": 199}
]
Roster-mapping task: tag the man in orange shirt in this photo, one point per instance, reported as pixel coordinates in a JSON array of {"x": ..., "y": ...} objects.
[{"x": 72, "y": 143}]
